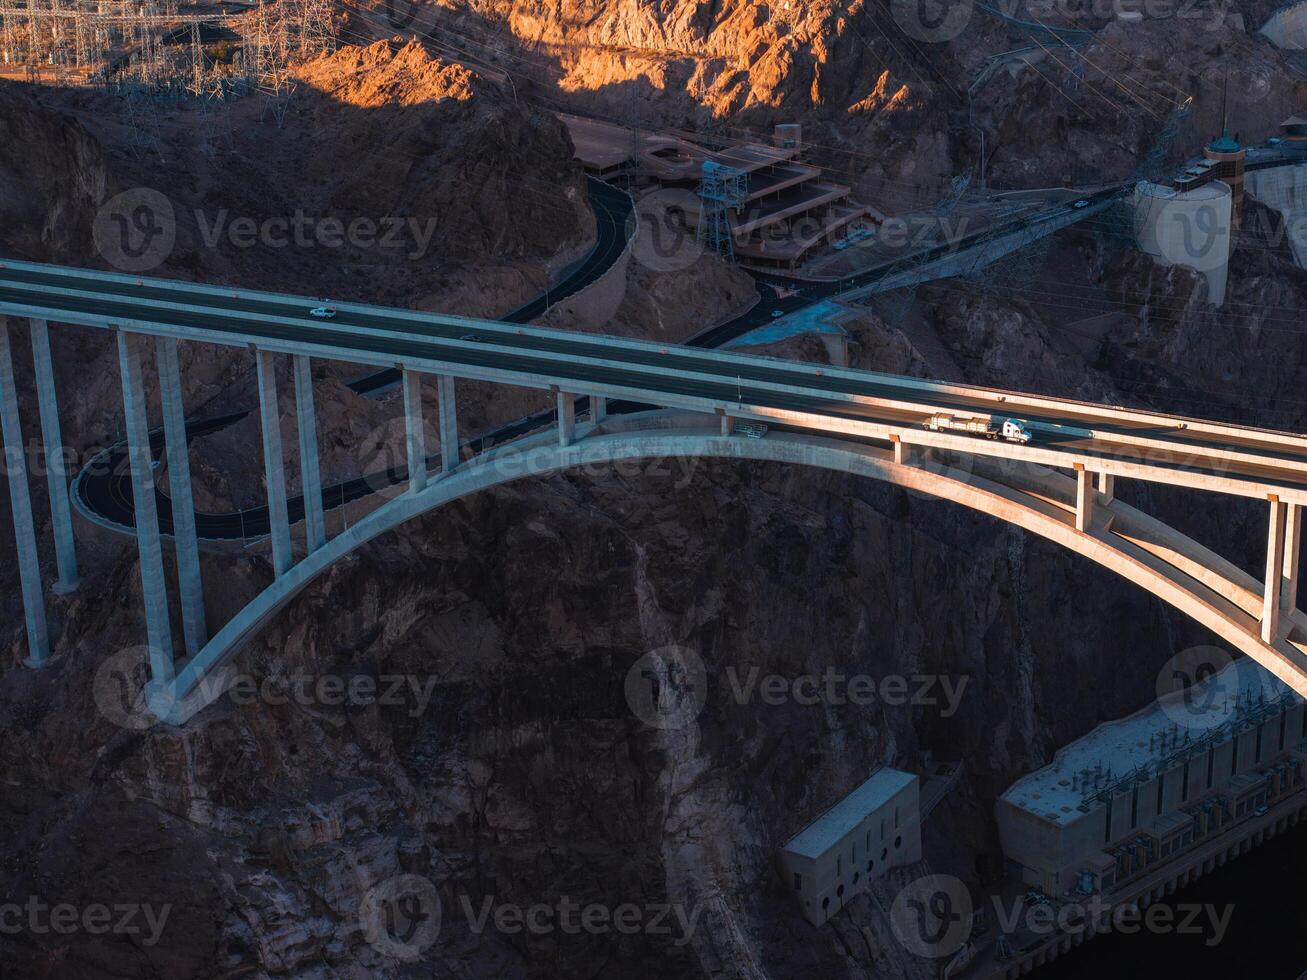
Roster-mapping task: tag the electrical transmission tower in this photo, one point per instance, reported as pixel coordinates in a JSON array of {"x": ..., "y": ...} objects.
[{"x": 722, "y": 190}]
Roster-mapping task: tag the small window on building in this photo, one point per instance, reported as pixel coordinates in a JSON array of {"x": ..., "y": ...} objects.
[
  {"x": 1234, "y": 755},
  {"x": 1257, "y": 753},
  {"x": 1107, "y": 829},
  {"x": 856, "y": 876},
  {"x": 840, "y": 891},
  {"x": 798, "y": 882},
  {"x": 1211, "y": 760},
  {"x": 1284, "y": 716},
  {"x": 1161, "y": 784},
  {"x": 825, "y": 903},
  {"x": 1134, "y": 807},
  {"x": 870, "y": 865},
  {"x": 898, "y": 842},
  {"x": 1184, "y": 785},
  {"x": 884, "y": 853}
]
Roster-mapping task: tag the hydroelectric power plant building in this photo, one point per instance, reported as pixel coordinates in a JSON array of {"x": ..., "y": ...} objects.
[
  {"x": 1188, "y": 779},
  {"x": 874, "y": 828}
]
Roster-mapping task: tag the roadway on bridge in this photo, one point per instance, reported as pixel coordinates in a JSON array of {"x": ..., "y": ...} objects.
[{"x": 581, "y": 362}]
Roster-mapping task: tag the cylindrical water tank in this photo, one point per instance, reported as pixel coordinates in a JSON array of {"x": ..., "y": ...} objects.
[{"x": 1189, "y": 228}]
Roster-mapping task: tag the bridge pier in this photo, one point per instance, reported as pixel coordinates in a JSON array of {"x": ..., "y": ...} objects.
[
  {"x": 154, "y": 588},
  {"x": 448, "y": 424},
  {"x": 20, "y": 501},
  {"x": 1271, "y": 599},
  {"x": 1106, "y": 483},
  {"x": 273, "y": 462},
  {"x": 1084, "y": 498},
  {"x": 61, "y": 517},
  {"x": 190, "y": 583},
  {"x": 315, "y": 525},
  {"x": 416, "y": 436},
  {"x": 598, "y": 408},
  {"x": 1292, "y": 554},
  {"x": 566, "y": 418}
]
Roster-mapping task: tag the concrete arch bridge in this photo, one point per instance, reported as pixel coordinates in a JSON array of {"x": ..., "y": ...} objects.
[{"x": 1059, "y": 484}]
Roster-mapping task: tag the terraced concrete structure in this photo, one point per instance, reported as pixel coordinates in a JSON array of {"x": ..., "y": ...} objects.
[{"x": 1060, "y": 485}]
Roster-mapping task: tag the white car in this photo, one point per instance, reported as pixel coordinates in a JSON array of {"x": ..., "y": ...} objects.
[
  {"x": 776, "y": 313},
  {"x": 323, "y": 312},
  {"x": 1082, "y": 203}
]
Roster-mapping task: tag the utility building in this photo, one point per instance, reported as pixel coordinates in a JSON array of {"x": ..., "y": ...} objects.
[
  {"x": 874, "y": 828},
  {"x": 1148, "y": 789}
]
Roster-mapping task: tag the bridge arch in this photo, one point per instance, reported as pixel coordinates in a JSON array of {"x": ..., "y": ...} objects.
[{"x": 1170, "y": 565}]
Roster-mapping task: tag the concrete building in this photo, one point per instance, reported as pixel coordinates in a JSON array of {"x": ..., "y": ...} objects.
[
  {"x": 874, "y": 828},
  {"x": 1155, "y": 786},
  {"x": 1226, "y": 155}
]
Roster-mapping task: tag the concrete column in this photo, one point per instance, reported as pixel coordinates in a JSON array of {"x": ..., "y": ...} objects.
[
  {"x": 190, "y": 584},
  {"x": 154, "y": 587},
  {"x": 727, "y": 424},
  {"x": 1106, "y": 486},
  {"x": 1084, "y": 498},
  {"x": 448, "y": 424},
  {"x": 1292, "y": 551},
  {"x": 273, "y": 464},
  {"x": 417, "y": 439},
  {"x": 566, "y": 418},
  {"x": 900, "y": 450},
  {"x": 315, "y": 525},
  {"x": 61, "y": 517},
  {"x": 1274, "y": 571},
  {"x": 20, "y": 501},
  {"x": 598, "y": 408}
]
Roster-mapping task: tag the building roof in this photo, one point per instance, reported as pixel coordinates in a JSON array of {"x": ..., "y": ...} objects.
[
  {"x": 1297, "y": 119},
  {"x": 1141, "y": 740},
  {"x": 844, "y": 817},
  {"x": 1225, "y": 143}
]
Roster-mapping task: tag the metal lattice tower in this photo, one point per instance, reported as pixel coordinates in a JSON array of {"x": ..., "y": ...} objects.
[
  {"x": 1116, "y": 224},
  {"x": 894, "y": 305},
  {"x": 722, "y": 190}
]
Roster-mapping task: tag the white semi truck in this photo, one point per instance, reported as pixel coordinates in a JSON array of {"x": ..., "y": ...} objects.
[{"x": 1012, "y": 430}]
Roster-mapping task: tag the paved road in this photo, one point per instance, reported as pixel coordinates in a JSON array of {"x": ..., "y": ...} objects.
[{"x": 681, "y": 376}]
